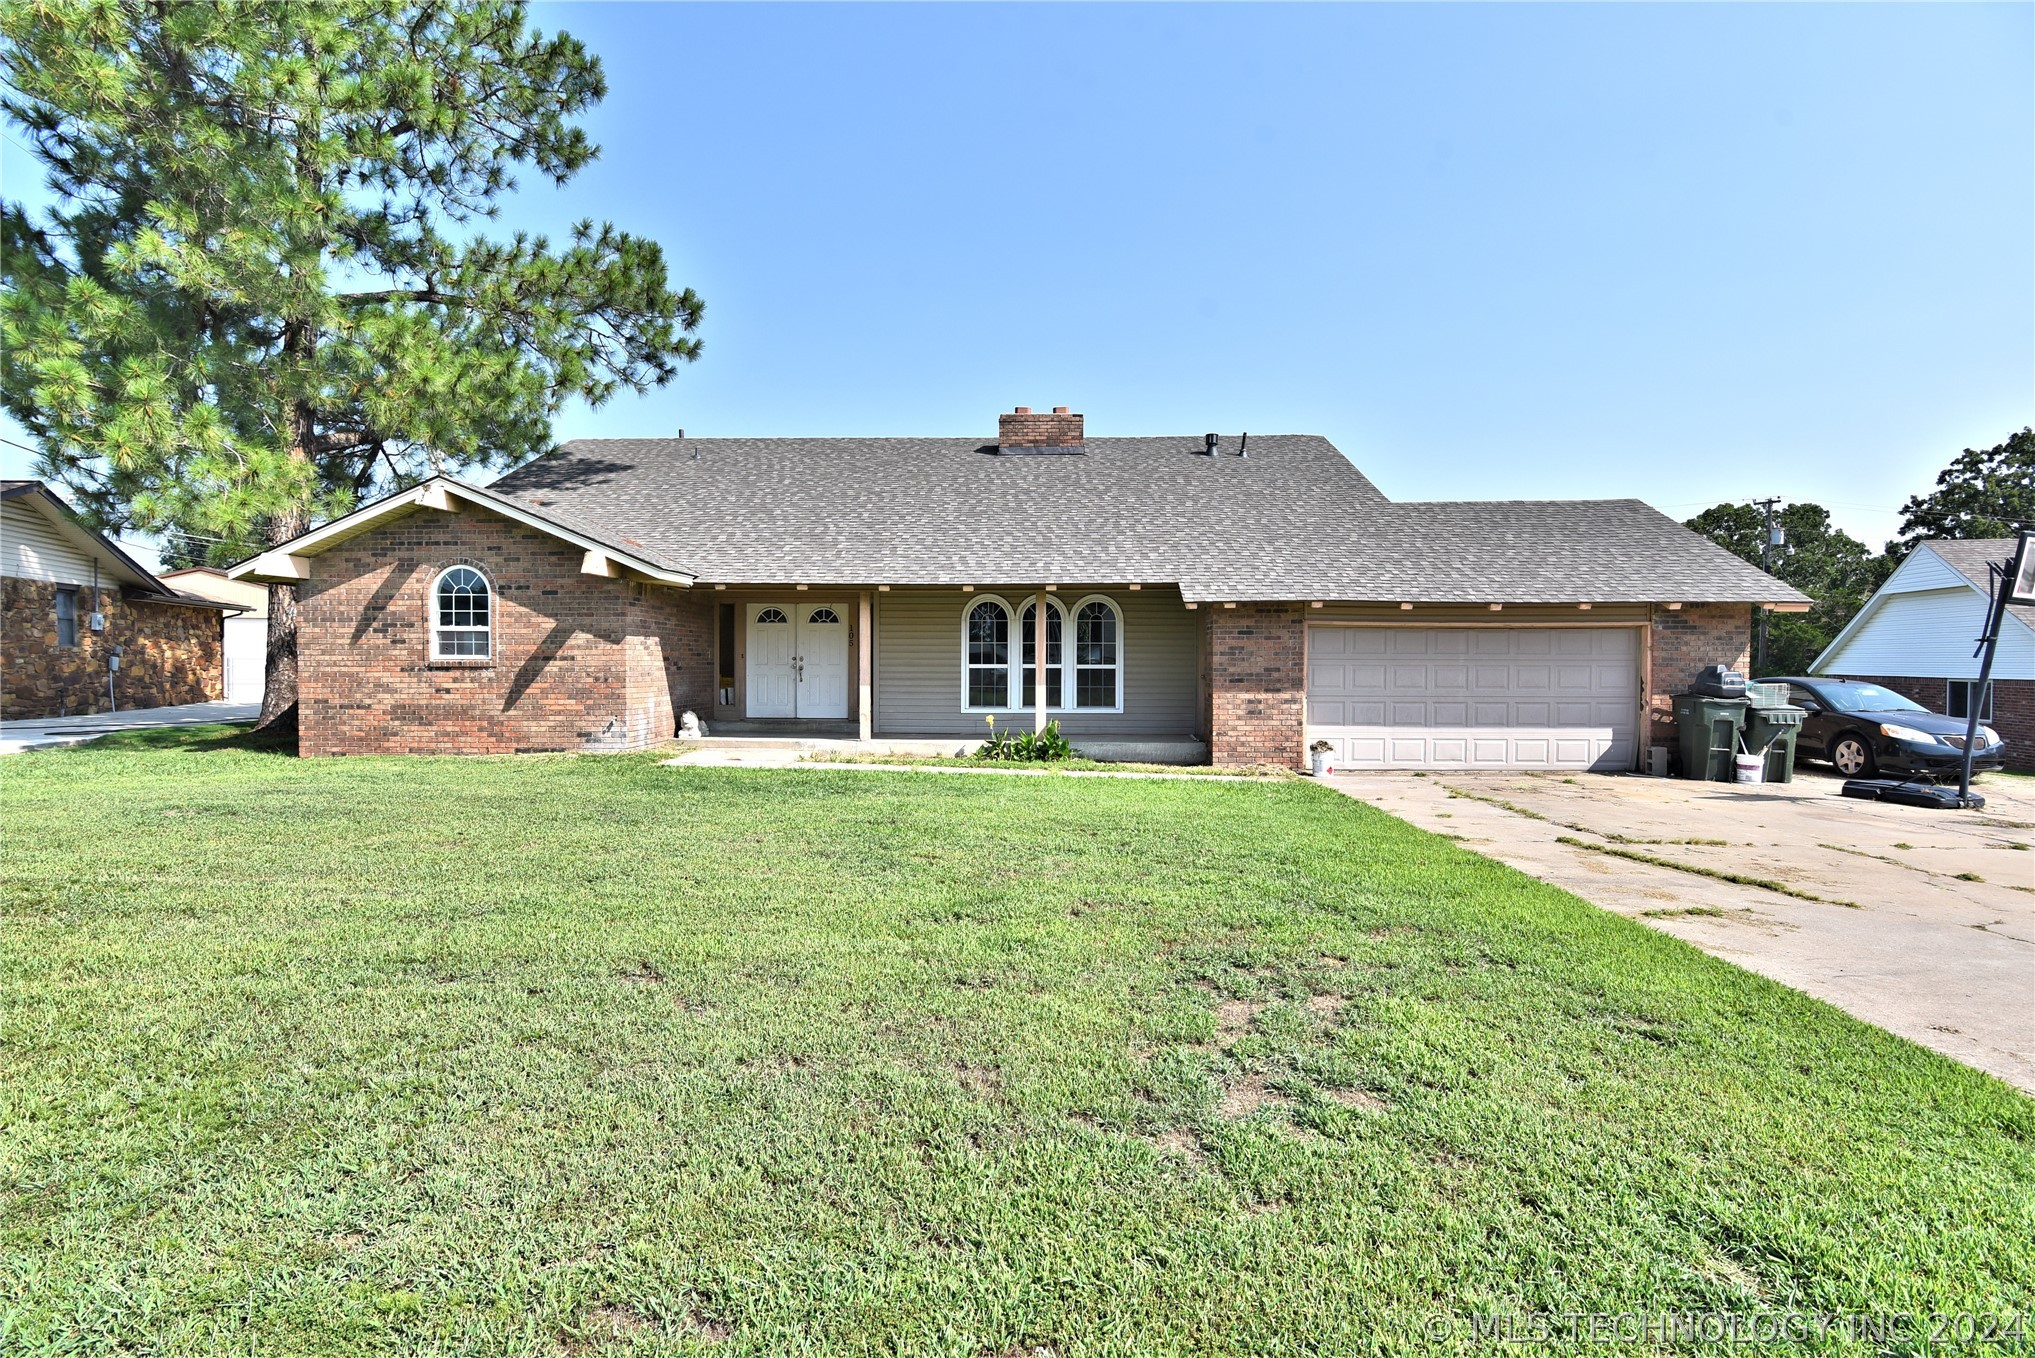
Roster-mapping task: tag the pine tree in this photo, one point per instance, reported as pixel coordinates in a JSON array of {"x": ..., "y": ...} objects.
[{"x": 265, "y": 292}]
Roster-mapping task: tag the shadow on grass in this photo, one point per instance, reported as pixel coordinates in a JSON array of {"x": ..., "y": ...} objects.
[{"x": 214, "y": 738}]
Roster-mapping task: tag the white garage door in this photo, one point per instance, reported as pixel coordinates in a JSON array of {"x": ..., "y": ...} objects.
[
  {"x": 1501, "y": 697},
  {"x": 247, "y": 648}
]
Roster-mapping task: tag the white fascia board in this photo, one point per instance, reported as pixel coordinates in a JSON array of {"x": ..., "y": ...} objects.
[{"x": 277, "y": 564}]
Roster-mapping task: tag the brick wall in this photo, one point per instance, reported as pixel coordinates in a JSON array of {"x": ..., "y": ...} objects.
[
  {"x": 171, "y": 653},
  {"x": 1257, "y": 680},
  {"x": 2013, "y": 709},
  {"x": 1685, "y": 641},
  {"x": 1027, "y": 428},
  {"x": 580, "y": 662}
]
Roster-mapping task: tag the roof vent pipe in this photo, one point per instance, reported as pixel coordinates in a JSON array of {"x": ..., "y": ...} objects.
[
  {"x": 1212, "y": 444},
  {"x": 1243, "y": 445}
]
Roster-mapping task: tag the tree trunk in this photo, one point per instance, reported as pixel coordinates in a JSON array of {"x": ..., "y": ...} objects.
[
  {"x": 300, "y": 344},
  {"x": 279, "y": 687}
]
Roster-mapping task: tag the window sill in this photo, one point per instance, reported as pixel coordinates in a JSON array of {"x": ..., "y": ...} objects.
[{"x": 447, "y": 662}]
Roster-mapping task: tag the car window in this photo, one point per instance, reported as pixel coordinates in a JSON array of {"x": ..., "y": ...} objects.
[
  {"x": 1869, "y": 698},
  {"x": 1797, "y": 694}
]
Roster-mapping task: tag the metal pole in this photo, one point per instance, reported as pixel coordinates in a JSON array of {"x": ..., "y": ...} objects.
[
  {"x": 1988, "y": 647},
  {"x": 1766, "y": 555}
]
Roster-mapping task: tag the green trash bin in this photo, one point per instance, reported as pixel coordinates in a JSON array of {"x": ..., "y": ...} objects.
[
  {"x": 1709, "y": 729},
  {"x": 1774, "y": 729}
]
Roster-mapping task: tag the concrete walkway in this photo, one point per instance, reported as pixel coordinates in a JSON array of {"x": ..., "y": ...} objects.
[
  {"x": 38, "y": 733},
  {"x": 1922, "y": 922}
]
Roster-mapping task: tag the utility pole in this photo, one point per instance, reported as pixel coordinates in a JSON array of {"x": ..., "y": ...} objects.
[{"x": 1766, "y": 562}]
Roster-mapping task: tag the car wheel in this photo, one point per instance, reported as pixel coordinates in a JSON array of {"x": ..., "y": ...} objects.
[{"x": 1852, "y": 756}]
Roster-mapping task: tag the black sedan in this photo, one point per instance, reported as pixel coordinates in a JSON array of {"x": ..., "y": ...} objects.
[{"x": 1864, "y": 730}]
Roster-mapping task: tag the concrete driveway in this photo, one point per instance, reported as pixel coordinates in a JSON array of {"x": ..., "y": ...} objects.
[
  {"x": 1922, "y": 922},
  {"x": 38, "y": 733}
]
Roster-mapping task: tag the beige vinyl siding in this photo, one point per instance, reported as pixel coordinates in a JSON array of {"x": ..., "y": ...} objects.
[
  {"x": 918, "y": 664},
  {"x": 33, "y": 548}
]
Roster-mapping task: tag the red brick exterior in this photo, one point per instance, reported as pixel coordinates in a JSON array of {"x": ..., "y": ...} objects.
[
  {"x": 2013, "y": 709},
  {"x": 1257, "y": 684},
  {"x": 1684, "y": 642},
  {"x": 580, "y": 662},
  {"x": 170, "y": 653},
  {"x": 1025, "y": 428}
]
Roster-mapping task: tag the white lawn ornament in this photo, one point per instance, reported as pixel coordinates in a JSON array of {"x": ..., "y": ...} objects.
[{"x": 689, "y": 726}]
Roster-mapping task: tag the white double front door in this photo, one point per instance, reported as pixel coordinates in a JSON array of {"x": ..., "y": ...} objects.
[{"x": 797, "y": 661}]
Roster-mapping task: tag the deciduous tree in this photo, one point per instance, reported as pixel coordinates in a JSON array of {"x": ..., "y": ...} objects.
[
  {"x": 1983, "y": 493},
  {"x": 1829, "y": 565}
]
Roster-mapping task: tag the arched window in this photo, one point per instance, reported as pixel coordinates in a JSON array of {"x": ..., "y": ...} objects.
[
  {"x": 824, "y": 615},
  {"x": 1098, "y": 654},
  {"x": 1056, "y": 670},
  {"x": 772, "y": 616},
  {"x": 1084, "y": 655},
  {"x": 986, "y": 655},
  {"x": 461, "y": 620}
]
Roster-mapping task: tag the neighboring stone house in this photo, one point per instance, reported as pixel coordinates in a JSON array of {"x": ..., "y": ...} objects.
[
  {"x": 1232, "y": 599},
  {"x": 246, "y": 633},
  {"x": 1918, "y": 635},
  {"x": 69, "y": 598}
]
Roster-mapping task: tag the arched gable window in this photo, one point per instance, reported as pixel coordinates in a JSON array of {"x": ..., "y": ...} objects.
[
  {"x": 461, "y": 617},
  {"x": 998, "y": 676}
]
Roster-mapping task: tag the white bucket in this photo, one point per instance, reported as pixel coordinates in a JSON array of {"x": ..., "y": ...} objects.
[
  {"x": 1322, "y": 766},
  {"x": 1749, "y": 767}
]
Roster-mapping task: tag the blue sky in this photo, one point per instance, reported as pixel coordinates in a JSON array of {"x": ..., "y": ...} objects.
[{"x": 1685, "y": 253}]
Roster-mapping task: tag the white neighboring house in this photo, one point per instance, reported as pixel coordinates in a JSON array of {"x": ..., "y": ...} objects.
[
  {"x": 246, "y": 635},
  {"x": 1917, "y": 636}
]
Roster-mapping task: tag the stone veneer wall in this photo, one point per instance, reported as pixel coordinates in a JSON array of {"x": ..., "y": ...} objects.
[
  {"x": 580, "y": 662},
  {"x": 171, "y": 653},
  {"x": 1257, "y": 684},
  {"x": 2013, "y": 708},
  {"x": 1685, "y": 641}
]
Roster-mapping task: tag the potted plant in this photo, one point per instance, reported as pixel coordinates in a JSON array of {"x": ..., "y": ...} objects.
[{"x": 1319, "y": 752}]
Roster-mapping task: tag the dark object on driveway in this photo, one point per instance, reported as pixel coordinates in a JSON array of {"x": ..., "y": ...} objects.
[
  {"x": 1912, "y": 794},
  {"x": 1719, "y": 681},
  {"x": 1710, "y": 729},
  {"x": 1771, "y": 733},
  {"x": 1866, "y": 730}
]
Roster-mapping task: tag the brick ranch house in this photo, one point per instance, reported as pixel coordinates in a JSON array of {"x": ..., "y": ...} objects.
[
  {"x": 1224, "y": 599},
  {"x": 1917, "y": 633},
  {"x": 68, "y": 596}
]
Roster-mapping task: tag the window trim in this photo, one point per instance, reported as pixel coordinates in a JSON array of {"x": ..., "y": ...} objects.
[
  {"x": 1015, "y": 664},
  {"x": 1073, "y": 666},
  {"x": 1012, "y": 667},
  {"x": 1986, "y": 708},
  {"x": 438, "y": 631},
  {"x": 63, "y": 596}
]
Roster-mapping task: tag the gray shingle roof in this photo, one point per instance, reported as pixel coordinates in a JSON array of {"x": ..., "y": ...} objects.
[
  {"x": 1294, "y": 520},
  {"x": 1970, "y": 557}
]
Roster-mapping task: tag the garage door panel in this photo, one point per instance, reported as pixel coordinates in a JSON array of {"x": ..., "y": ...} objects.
[{"x": 1470, "y": 698}]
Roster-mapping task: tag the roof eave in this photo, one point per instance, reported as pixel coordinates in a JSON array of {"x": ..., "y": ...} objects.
[{"x": 288, "y": 563}]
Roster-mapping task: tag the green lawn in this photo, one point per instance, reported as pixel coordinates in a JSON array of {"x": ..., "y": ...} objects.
[{"x": 556, "y": 1055}]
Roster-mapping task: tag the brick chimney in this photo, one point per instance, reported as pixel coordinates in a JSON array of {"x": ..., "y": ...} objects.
[{"x": 1023, "y": 431}]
